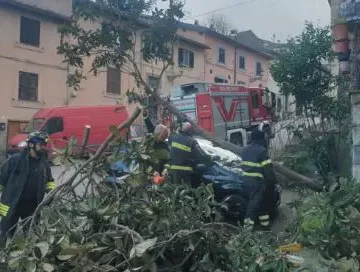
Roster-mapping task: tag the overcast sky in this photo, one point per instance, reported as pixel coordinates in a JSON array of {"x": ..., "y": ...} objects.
[{"x": 283, "y": 18}]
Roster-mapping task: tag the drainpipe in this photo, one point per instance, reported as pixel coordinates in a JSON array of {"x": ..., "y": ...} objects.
[
  {"x": 204, "y": 65},
  {"x": 235, "y": 66},
  {"x": 67, "y": 101}
]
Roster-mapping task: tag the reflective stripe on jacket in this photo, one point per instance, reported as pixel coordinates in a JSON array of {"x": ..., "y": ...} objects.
[
  {"x": 181, "y": 156},
  {"x": 256, "y": 163}
]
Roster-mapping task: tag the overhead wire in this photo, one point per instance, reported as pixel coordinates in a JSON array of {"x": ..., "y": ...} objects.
[{"x": 223, "y": 8}]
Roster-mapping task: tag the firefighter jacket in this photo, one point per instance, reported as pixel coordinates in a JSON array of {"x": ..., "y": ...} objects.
[
  {"x": 13, "y": 178},
  {"x": 161, "y": 149},
  {"x": 257, "y": 165},
  {"x": 185, "y": 153}
]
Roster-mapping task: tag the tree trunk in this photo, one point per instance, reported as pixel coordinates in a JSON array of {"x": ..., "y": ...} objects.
[{"x": 291, "y": 175}]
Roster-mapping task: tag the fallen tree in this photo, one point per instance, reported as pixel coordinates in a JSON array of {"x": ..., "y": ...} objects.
[
  {"x": 112, "y": 43},
  {"x": 136, "y": 227}
]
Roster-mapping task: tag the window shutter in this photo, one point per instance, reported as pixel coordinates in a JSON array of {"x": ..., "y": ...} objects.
[
  {"x": 113, "y": 81},
  {"x": 191, "y": 61},
  {"x": 180, "y": 56}
]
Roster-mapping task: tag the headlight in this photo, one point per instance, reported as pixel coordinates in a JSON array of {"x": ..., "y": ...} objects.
[{"x": 22, "y": 144}]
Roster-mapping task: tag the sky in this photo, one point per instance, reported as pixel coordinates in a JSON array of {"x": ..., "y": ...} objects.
[{"x": 284, "y": 18}]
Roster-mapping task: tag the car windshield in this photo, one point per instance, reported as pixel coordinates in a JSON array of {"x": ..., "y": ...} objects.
[{"x": 224, "y": 156}]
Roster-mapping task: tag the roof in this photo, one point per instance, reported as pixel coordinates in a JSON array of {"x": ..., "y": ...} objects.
[
  {"x": 33, "y": 9},
  {"x": 246, "y": 39},
  {"x": 238, "y": 41},
  {"x": 207, "y": 30},
  {"x": 192, "y": 42},
  {"x": 249, "y": 39}
]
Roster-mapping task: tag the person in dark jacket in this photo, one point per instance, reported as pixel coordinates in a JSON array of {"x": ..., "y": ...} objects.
[
  {"x": 24, "y": 180},
  {"x": 161, "y": 149},
  {"x": 260, "y": 180},
  {"x": 185, "y": 153}
]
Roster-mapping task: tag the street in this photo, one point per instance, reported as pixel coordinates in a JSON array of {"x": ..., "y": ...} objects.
[{"x": 61, "y": 175}]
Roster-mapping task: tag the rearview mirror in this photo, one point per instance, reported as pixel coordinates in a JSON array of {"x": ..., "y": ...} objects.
[{"x": 200, "y": 168}]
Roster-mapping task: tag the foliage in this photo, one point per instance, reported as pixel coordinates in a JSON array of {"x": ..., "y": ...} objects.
[
  {"x": 298, "y": 162},
  {"x": 303, "y": 69},
  {"x": 136, "y": 227},
  {"x": 300, "y": 68},
  {"x": 220, "y": 23},
  {"x": 329, "y": 221},
  {"x": 107, "y": 33},
  {"x": 262, "y": 257}
]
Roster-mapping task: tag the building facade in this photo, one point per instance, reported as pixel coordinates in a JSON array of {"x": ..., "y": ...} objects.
[
  {"x": 34, "y": 76},
  {"x": 345, "y": 25}
]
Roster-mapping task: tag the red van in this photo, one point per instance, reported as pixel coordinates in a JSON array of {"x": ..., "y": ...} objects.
[{"x": 64, "y": 123}]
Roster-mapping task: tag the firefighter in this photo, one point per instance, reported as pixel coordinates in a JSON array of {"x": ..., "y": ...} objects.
[
  {"x": 24, "y": 180},
  {"x": 161, "y": 148},
  {"x": 185, "y": 153},
  {"x": 259, "y": 180}
]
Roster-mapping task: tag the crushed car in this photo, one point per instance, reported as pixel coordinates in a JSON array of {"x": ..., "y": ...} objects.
[{"x": 224, "y": 173}]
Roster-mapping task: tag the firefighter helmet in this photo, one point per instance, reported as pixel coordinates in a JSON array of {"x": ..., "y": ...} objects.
[{"x": 38, "y": 137}]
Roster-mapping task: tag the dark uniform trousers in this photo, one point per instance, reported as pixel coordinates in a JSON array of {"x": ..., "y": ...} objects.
[
  {"x": 24, "y": 210},
  {"x": 259, "y": 180}
]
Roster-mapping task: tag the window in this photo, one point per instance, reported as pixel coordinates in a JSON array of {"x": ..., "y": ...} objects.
[
  {"x": 30, "y": 32},
  {"x": 186, "y": 58},
  {"x": 220, "y": 80},
  {"x": 54, "y": 125},
  {"x": 242, "y": 63},
  {"x": 28, "y": 86},
  {"x": 113, "y": 82},
  {"x": 153, "y": 82},
  {"x": 255, "y": 100},
  {"x": 222, "y": 55},
  {"x": 259, "y": 69}
]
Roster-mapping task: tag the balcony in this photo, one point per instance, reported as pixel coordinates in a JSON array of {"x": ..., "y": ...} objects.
[{"x": 350, "y": 9}]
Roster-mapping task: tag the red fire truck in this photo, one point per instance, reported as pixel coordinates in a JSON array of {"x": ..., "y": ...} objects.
[{"x": 226, "y": 111}]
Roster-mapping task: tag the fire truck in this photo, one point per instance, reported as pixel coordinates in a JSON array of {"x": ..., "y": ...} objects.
[{"x": 228, "y": 112}]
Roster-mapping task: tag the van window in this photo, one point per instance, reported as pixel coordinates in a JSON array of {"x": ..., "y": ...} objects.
[
  {"x": 54, "y": 125},
  {"x": 255, "y": 100}
]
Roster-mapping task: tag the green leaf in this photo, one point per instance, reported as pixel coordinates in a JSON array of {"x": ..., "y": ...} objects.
[
  {"x": 64, "y": 257},
  {"x": 41, "y": 250},
  {"x": 14, "y": 263},
  {"x": 16, "y": 254},
  {"x": 31, "y": 267},
  {"x": 61, "y": 239},
  {"x": 48, "y": 267},
  {"x": 139, "y": 249}
]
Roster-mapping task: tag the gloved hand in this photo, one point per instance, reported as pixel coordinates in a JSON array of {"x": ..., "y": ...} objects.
[
  {"x": 164, "y": 173},
  {"x": 157, "y": 179}
]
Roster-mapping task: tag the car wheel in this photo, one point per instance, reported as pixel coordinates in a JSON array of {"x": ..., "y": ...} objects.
[{"x": 234, "y": 208}]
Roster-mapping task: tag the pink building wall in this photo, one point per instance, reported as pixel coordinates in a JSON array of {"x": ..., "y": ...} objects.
[{"x": 52, "y": 89}]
